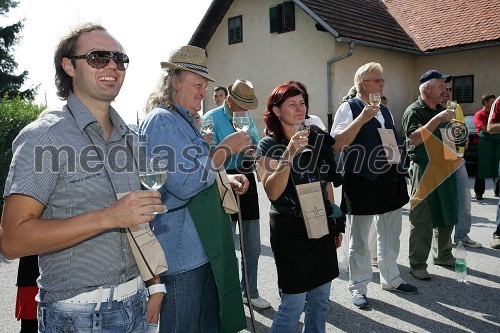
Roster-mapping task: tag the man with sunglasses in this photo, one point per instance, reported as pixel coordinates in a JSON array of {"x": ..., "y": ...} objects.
[{"x": 63, "y": 204}]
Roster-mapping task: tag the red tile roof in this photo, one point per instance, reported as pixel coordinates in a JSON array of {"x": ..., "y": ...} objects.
[
  {"x": 441, "y": 24},
  {"x": 417, "y": 26},
  {"x": 362, "y": 20}
]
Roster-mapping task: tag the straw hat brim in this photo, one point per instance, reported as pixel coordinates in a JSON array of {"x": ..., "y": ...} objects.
[
  {"x": 171, "y": 65},
  {"x": 245, "y": 105}
]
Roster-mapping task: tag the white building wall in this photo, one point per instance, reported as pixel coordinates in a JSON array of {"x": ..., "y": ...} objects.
[{"x": 268, "y": 59}]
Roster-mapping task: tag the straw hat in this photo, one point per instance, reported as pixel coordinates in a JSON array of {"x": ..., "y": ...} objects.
[
  {"x": 242, "y": 93},
  {"x": 188, "y": 58}
]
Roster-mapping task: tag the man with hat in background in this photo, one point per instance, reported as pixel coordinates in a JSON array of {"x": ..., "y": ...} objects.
[
  {"x": 433, "y": 208},
  {"x": 203, "y": 293},
  {"x": 242, "y": 98}
]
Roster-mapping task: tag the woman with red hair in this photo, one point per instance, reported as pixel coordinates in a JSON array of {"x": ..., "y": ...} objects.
[{"x": 306, "y": 266}]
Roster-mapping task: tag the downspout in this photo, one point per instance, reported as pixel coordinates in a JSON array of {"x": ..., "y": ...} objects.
[{"x": 329, "y": 81}]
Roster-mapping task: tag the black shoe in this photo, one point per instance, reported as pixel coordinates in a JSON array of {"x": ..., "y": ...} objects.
[
  {"x": 406, "y": 288},
  {"x": 479, "y": 197}
]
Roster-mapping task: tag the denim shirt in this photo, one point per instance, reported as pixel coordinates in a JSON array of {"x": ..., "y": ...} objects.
[
  {"x": 223, "y": 127},
  {"x": 190, "y": 171}
]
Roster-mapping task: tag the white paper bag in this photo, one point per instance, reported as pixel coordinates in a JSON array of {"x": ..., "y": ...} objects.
[{"x": 390, "y": 145}]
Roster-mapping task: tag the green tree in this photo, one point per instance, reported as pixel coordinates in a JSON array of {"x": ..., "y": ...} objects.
[
  {"x": 15, "y": 114},
  {"x": 10, "y": 83}
]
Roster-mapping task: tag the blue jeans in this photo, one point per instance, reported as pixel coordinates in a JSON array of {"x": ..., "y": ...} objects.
[
  {"x": 251, "y": 239},
  {"x": 462, "y": 228},
  {"x": 127, "y": 316},
  {"x": 291, "y": 307},
  {"x": 191, "y": 303}
]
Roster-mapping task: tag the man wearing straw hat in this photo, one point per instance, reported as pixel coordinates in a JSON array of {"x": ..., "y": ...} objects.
[
  {"x": 242, "y": 98},
  {"x": 202, "y": 281}
]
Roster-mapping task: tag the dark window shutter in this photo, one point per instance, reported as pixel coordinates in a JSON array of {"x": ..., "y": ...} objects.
[
  {"x": 237, "y": 33},
  {"x": 273, "y": 19},
  {"x": 279, "y": 20},
  {"x": 235, "y": 30},
  {"x": 463, "y": 89},
  {"x": 230, "y": 33},
  {"x": 288, "y": 16}
]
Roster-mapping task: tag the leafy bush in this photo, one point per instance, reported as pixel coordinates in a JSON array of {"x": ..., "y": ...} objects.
[{"x": 15, "y": 114}]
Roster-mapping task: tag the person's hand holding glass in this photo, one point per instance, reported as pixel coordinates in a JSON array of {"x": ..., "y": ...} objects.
[{"x": 154, "y": 175}]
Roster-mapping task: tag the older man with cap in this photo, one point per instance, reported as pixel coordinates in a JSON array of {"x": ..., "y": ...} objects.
[
  {"x": 242, "y": 98},
  {"x": 202, "y": 281},
  {"x": 433, "y": 209}
]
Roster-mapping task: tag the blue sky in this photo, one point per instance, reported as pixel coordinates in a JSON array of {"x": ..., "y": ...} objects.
[{"x": 149, "y": 30}]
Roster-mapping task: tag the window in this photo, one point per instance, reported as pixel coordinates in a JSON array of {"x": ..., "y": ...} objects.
[
  {"x": 282, "y": 17},
  {"x": 235, "y": 30},
  {"x": 463, "y": 88}
]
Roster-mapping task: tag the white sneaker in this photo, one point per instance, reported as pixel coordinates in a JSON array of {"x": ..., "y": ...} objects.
[{"x": 258, "y": 302}]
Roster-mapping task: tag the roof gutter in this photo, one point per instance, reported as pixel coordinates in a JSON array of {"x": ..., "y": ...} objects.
[
  {"x": 329, "y": 81},
  {"x": 419, "y": 53},
  {"x": 462, "y": 48},
  {"x": 377, "y": 45}
]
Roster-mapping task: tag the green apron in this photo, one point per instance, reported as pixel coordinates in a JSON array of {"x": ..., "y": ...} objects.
[
  {"x": 488, "y": 155},
  {"x": 214, "y": 229},
  {"x": 443, "y": 200}
]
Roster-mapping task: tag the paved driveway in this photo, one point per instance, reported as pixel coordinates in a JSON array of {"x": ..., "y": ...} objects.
[{"x": 442, "y": 304}]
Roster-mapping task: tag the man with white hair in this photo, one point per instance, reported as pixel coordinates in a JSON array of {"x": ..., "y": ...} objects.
[
  {"x": 373, "y": 188},
  {"x": 433, "y": 210}
]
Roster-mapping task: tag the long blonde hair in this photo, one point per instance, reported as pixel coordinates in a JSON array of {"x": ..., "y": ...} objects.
[{"x": 164, "y": 92}]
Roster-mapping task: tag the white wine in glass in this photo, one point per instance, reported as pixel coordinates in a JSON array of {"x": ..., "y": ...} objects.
[
  {"x": 374, "y": 99},
  {"x": 154, "y": 176},
  {"x": 451, "y": 105},
  {"x": 207, "y": 125},
  {"x": 299, "y": 127},
  {"x": 241, "y": 121}
]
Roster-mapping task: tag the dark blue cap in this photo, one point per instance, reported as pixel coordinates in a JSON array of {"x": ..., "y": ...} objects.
[{"x": 434, "y": 74}]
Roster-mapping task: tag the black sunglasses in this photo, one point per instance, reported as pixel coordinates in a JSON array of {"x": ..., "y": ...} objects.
[{"x": 99, "y": 59}]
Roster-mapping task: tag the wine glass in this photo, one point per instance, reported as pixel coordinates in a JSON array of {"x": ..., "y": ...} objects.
[
  {"x": 241, "y": 121},
  {"x": 300, "y": 126},
  {"x": 374, "y": 99},
  {"x": 207, "y": 125},
  {"x": 451, "y": 105},
  {"x": 154, "y": 175}
]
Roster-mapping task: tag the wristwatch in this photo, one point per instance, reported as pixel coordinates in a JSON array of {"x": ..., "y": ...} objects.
[{"x": 157, "y": 288}]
